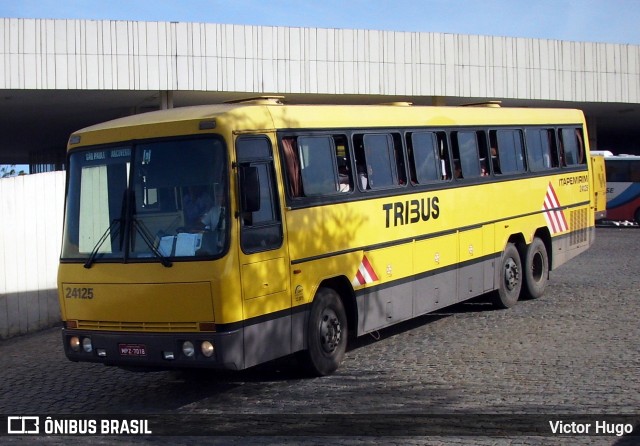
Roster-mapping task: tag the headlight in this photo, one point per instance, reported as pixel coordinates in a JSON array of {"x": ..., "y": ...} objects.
[
  {"x": 188, "y": 349},
  {"x": 207, "y": 349},
  {"x": 86, "y": 345},
  {"x": 74, "y": 343}
]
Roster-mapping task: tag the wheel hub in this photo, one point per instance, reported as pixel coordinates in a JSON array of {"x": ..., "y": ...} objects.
[
  {"x": 511, "y": 274},
  {"x": 330, "y": 331}
]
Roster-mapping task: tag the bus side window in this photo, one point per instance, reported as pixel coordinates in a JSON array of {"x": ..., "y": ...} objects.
[
  {"x": 343, "y": 158},
  {"x": 400, "y": 161},
  {"x": 541, "y": 151},
  {"x": 509, "y": 150},
  {"x": 634, "y": 174},
  {"x": 362, "y": 177},
  {"x": 379, "y": 160},
  {"x": 555, "y": 150},
  {"x": 572, "y": 143},
  {"x": 426, "y": 164},
  {"x": 316, "y": 165},
  {"x": 493, "y": 151},
  {"x": 611, "y": 171},
  {"x": 465, "y": 154},
  {"x": 292, "y": 164},
  {"x": 483, "y": 152},
  {"x": 445, "y": 157},
  {"x": 621, "y": 171}
]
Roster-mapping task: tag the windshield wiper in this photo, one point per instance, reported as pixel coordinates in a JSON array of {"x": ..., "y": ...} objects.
[
  {"x": 140, "y": 229},
  {"x": 103, "y": 238}
]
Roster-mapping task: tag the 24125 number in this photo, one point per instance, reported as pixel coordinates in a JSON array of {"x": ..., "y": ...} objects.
[{"x": 78, "y": 293}]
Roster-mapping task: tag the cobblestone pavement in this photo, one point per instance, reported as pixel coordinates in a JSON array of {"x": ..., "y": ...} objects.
[{"x": 573, "y": 351}]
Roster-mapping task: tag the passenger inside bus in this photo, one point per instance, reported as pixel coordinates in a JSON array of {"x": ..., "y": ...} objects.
[
  {"x": 212, "y": 218},
  {"x": 495, "y": 161},
  {"x": 214, "y": 225},
  {"x": 195, "y": 203},
  {"x": 457, "y": 170},
  {"x": 483, "y": 167},
  {"x": 361, "y": 165},
  {"x": 343, "y": 174},
  {"x": 362, "y": 176}
]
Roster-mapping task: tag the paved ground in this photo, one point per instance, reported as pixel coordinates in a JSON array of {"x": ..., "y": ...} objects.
[{"x": 574, "y": 351}]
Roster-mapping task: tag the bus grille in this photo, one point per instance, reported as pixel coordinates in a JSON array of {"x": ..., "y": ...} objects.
[
  {"x": 579, "y": 221},
  {"x": 138, "y": 326}
]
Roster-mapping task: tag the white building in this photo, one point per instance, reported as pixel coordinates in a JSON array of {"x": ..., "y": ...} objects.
[{"x": 59, "y": 75}]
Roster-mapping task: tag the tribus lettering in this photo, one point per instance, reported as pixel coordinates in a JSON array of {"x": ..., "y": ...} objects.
[{"x": 411, "y": 211}]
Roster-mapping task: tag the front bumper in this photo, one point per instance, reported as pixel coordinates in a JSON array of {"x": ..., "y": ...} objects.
[{"x": 161, "y": 350}]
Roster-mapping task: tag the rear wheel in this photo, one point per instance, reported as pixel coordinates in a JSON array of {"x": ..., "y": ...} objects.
[
  {"x": 327, "y": 333},
  {"x": 510, "y": 280},
  {"x": 536, "y": 269}
]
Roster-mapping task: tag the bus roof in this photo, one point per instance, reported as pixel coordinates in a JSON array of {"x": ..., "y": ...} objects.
[
  {"x": 621, "y": 157},
  {"x": 601, "y": 153},
  {"x": 258, "y": 115}
]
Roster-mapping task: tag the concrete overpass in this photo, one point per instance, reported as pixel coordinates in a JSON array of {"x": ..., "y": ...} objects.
[{"x": 60, "y": 75}]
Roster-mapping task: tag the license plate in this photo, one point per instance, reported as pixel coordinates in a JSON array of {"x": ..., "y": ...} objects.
[{"x": 132, "y": 350}]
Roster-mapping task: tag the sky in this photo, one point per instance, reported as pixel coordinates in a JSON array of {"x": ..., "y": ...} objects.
[{"x": 611, "y": 21}]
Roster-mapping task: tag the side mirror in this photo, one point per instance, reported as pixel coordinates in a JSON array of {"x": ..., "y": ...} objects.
[{"x": 250, "y": 188}]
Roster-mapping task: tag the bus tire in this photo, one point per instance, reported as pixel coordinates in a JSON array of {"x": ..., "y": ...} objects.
[
  {"x": 536, "y": 271},
  {"x": 326, "y": 335},
  {"x": 510, "y": 278},
  {"x": 636, "y": 216}
]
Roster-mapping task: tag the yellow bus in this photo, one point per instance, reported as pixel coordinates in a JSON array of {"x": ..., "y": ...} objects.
[{"x": 228, "y": 235}]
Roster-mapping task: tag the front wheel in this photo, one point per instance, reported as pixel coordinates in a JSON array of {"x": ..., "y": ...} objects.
[
  {"x": 510, "y": 278},
  {"x": 536, "y": 269},
  {"x": 327, "y": 333}
]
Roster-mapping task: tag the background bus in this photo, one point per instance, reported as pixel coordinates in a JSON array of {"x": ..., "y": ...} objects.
[
  {"x": 623, "y": 187},
  {"x": 224, "y": 236}
]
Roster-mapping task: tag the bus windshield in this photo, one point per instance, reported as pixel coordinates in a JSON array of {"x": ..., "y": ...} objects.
[{"x": 143, "y": 201}]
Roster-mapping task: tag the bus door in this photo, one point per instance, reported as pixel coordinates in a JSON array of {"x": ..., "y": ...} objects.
[{"x": 262, "y": 253}]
